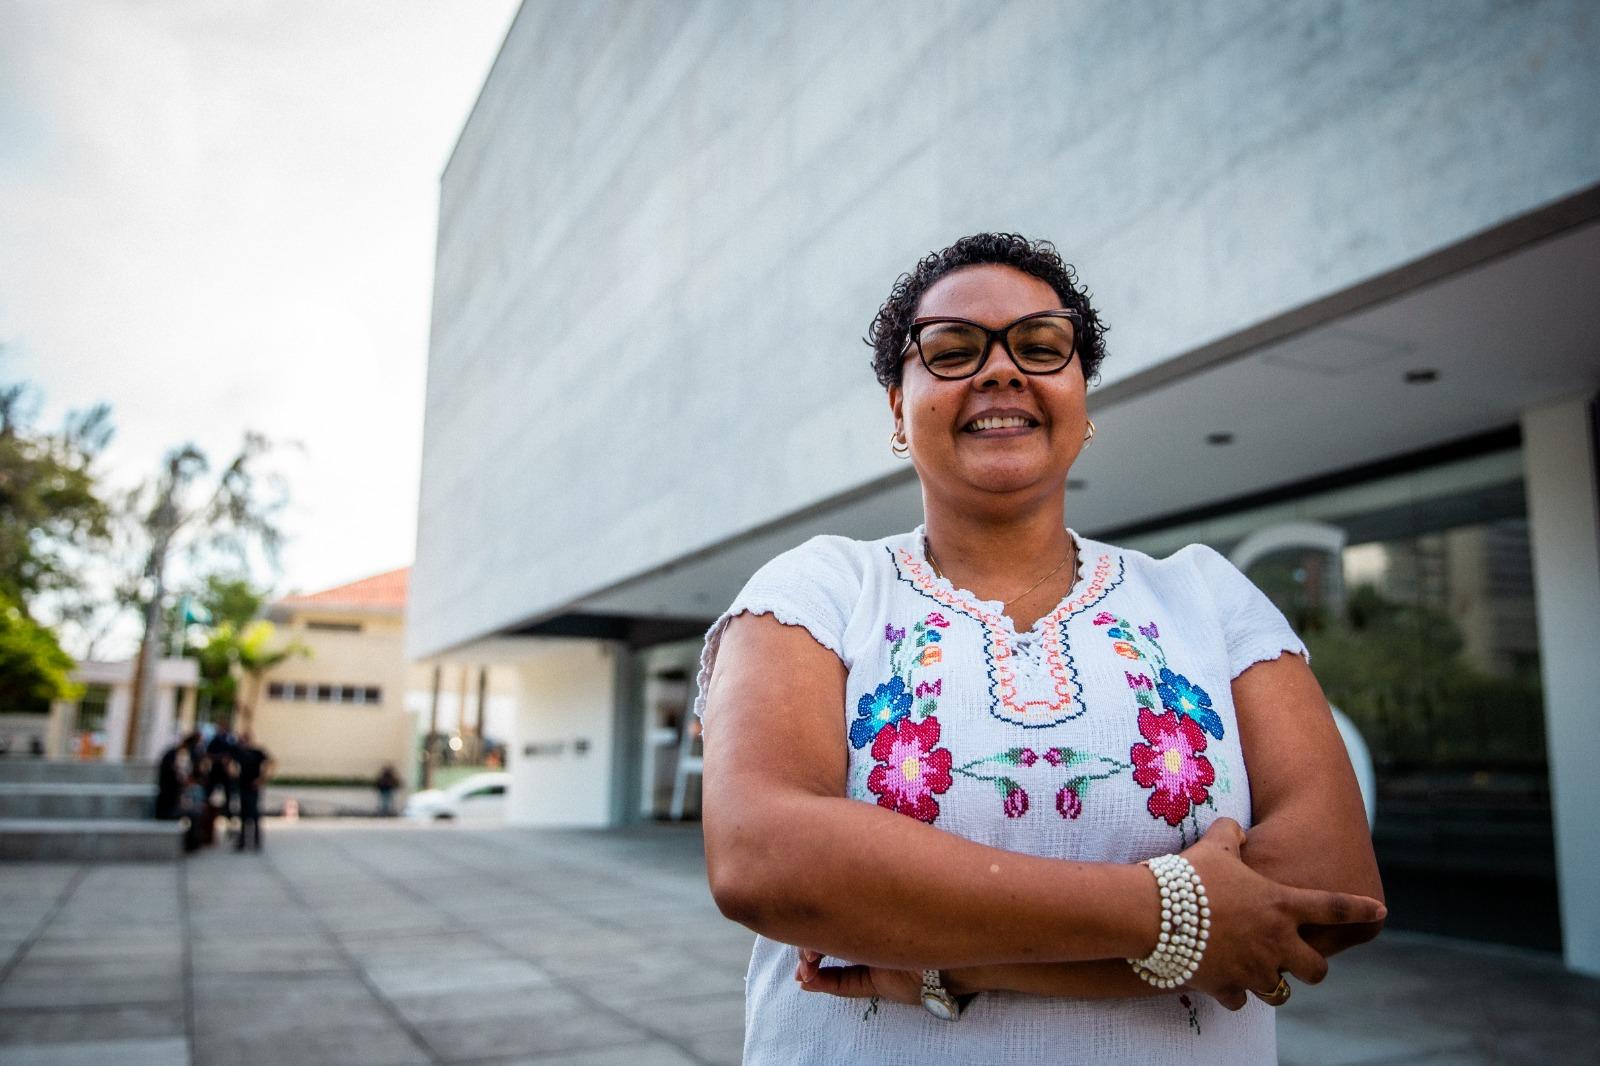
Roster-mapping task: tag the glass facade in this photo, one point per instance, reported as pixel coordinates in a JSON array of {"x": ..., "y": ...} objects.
[{"x": 1415, "y": 595}]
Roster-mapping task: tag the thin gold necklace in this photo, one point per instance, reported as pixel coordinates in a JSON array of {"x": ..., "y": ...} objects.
[{"x": 1072, "y": 550}]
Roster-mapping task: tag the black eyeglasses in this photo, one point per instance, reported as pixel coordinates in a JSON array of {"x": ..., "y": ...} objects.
[{"x": 955, "y": 348}]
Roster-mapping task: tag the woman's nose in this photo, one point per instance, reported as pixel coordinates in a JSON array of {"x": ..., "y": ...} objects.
[{"x": 999, "y": 369}]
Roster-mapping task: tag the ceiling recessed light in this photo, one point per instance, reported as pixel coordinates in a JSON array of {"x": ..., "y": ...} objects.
[
  {"x": 1421, "y": 377},
  {"x": 1219, "y": 438}
]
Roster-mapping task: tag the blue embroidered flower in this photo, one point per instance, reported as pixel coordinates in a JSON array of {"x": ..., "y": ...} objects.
[
  {"x": 885, "y": 706},
  {"x": 1179, "y": 694}
]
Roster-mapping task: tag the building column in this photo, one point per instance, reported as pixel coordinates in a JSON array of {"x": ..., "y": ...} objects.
[{"x": 1559, "y": 458}]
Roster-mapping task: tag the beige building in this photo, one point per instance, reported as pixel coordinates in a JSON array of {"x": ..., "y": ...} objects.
[
  {"x": 341, "y": 710},
  {"x": 354, "y": 703}
]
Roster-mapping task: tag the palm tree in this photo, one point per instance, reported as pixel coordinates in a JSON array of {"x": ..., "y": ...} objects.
[{"x": 252, "y": 650}]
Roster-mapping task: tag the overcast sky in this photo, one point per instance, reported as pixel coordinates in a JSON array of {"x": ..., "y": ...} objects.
[{"x": 218, "y": 215}]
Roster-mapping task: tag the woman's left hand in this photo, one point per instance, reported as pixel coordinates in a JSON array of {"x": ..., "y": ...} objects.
[{"x": 858, "y": 982}]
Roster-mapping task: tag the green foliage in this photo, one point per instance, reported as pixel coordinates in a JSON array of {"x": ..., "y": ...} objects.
[
  {"x": 33, "y": 668},
  {"x": 1399, "y": 672},
  {"x": 49, "y": 496}
]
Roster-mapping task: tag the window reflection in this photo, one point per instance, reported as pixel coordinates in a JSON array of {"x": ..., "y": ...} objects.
[{"x": 1422, "y": 630}]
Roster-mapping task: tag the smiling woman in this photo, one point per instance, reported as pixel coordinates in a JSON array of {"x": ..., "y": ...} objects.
[{"x": 993, "y": 773}]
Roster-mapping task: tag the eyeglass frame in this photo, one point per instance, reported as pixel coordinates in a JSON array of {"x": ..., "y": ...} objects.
[{"x": 914, "y": 339}]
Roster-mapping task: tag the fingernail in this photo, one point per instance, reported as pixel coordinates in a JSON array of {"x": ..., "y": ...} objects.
[{"x": 1383, "y": 912}]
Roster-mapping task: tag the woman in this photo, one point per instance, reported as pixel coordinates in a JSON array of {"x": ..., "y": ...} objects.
[{"x": 935, "y": 763}]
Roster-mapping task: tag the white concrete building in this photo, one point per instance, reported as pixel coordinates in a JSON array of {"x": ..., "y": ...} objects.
[{"x": 1347, "y": 252}]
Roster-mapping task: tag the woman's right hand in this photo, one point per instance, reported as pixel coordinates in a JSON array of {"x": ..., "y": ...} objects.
[{"x": 1255, "y": 921}]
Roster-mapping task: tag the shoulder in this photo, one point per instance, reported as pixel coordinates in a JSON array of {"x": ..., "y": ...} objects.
[{"x": 835, "y": 563}]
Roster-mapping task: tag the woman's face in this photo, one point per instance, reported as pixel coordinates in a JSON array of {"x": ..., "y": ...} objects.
[{"x": 952, "y": 456}]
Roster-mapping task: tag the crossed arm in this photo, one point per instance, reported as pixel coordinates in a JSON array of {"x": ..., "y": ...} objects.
[{"x": 791, "y": 858}]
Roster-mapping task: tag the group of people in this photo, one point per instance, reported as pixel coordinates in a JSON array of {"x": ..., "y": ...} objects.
[{"x": 211, "y": 775}]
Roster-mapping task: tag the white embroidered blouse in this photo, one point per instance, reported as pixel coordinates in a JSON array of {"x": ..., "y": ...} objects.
[{"x": 1105, "y": 733}]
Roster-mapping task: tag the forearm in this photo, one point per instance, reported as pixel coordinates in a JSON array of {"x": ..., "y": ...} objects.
[
  {"x": 1287, "y": 847},
  {"x": 1096, "y": 979},
  {"x": 859, "y": 882}
]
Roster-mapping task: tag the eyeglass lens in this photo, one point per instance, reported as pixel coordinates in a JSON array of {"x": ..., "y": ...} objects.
[{"x": 957, "y": 349}]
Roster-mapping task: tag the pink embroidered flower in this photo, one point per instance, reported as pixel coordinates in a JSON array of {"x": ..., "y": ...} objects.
[
  {"x": 1068, "y": 804},
  {"x": 1126, "y": 650},
  {"x": 931, "y": 656},
  {"x": 910, "y": 770},
  {"x": 1171, "y": 764},
  {"x": 1024, "y": 756},
  {"x": 1054, "y": 756},
  {"x": 937, "y": 619},
  {"x": 1138, "y": 681},
  {"x": 930, "y": 688},
  {"x": 1016, "y": 802},
  {"x": 1104, "y": 618}
]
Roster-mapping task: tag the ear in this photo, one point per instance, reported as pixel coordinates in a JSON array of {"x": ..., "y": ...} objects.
[{"x": 897, "y": 404}]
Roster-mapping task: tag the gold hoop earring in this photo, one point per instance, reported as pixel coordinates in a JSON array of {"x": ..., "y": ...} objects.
[
  {"x": 899, "y": 446},
  {"x": 1089, "y": 436}
]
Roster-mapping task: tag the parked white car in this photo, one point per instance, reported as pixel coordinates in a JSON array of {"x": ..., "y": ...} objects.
[{"x": 479, "y": 798}]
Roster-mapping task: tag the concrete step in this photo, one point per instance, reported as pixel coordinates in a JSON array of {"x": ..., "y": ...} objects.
[
  {"x": 89, "y": 840},
  {"x": 71, "y": 800},
  {"x": 15, "y": 770}
]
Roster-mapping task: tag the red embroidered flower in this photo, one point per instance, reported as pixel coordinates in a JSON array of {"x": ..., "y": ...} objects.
[
  {"x": 910, "y": 769},
  {"x": 1016, "y": 801},
  {"x": 1068, "y": 802},
  {"x": 1171, "y": 764},
  {"x": 937, "y": 619},
  {"x": 1104, "y": 618}
]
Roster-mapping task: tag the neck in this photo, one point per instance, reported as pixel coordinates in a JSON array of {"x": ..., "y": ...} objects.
[{"x": 998, "y": 550}]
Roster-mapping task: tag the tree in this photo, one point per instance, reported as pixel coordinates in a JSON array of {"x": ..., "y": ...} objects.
[
  {"x": 230, "y": 518},
  {"x": 33, "y": 668},
  {"x": 210, "y": 614},
  {"x": 50, "y": 507},
  {"x": 254, "y": 653}
]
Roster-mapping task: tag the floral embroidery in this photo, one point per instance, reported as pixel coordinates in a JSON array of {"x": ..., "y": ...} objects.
[
  {"x": 1006, "y": 700},
  {"x": 1080, "y": 770},
  {"x": 1171, "y": 764},
  {"x": 910, "y": 770},
  {"x": 1179, "y": 694},
  {"x": 885, "y": 706},
  {"x": 896, "y": 719}
]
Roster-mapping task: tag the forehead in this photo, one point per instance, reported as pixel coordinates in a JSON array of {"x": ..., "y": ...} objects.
[{"x": 989, "y": 293}]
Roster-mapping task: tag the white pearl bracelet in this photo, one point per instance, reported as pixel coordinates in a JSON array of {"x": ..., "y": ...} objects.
[{"x": 1185, "y": 924}]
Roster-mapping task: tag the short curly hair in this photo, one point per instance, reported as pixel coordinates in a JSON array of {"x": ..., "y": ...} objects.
[{"x": 887, "y": 335}]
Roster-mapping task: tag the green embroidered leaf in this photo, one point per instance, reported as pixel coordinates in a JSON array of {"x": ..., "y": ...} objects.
[
  {"x": 929, "y": 705},
  {"x": 1144, "y": 699}
]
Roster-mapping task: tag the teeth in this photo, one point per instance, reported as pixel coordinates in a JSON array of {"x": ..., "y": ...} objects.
[{"x": 998, "y": 423}]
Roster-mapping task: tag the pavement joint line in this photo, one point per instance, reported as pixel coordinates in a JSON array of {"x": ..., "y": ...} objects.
[
  {"x": 300, "y": 900},
  {"x": 600, "y": 1005},
  {"x": 186, "y": 925},
  {"x": 56, "y": 908}
]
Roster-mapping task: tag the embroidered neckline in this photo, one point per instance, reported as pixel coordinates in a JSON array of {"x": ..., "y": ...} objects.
[
  {"x": 996, "y": 608},
  {"x": 1003, "y": 639}
]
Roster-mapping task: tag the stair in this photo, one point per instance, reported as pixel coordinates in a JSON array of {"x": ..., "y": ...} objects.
[{"x": 69, "y": 811}]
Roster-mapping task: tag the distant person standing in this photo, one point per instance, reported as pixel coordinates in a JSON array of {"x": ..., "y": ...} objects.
[
  {"x": 172, "y": 776},
  {"x": 254, "y": 768},
  {"x": 387, "y": 782},
  {"x": 220, "y": 751}
]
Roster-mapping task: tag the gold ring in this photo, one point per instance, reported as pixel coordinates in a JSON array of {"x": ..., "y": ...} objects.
[{"x": 1278, "y": 996}]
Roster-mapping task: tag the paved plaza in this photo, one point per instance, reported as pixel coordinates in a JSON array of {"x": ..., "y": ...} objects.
[{"x": 362, "y": 943}]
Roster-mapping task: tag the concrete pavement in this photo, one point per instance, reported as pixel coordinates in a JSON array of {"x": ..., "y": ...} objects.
[{"x": 381, "y": 943}]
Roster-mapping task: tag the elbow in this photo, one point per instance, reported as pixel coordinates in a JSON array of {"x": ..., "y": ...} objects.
[{"x": 753, "y": 882}]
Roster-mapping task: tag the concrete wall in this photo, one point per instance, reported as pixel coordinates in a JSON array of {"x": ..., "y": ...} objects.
[
  {"x": 667, "y": 224},
  {"x": 560, "y": 754}
]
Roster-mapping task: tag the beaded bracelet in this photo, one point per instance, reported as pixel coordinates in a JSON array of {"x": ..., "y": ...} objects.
[{"x": 1185, "y": 924}]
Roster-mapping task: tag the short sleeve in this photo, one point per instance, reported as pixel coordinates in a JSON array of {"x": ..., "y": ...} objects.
[
  {"x": 1254, "y": 629},
  {"x": 814, "y": 586}
]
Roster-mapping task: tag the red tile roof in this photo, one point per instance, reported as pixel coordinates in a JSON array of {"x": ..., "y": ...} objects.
[{"x": 386, "y": 591}]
